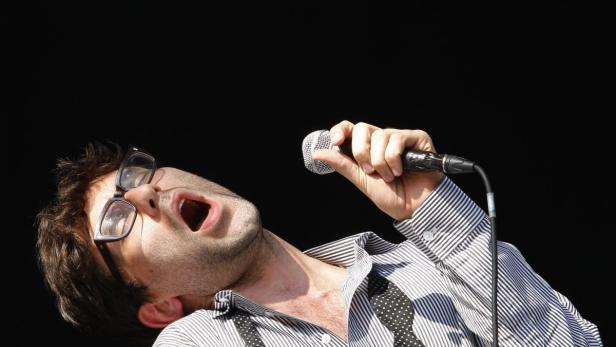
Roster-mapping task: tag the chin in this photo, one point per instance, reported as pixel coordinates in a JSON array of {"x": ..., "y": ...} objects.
[{"x": 245, "y": 224}]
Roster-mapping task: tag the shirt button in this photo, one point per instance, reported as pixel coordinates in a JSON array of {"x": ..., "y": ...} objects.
[
  {"x": 428, "y": 235},
  {"x": 325, "y": 339}
]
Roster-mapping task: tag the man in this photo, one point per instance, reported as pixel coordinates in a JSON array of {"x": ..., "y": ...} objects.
[{"x": 127, "y": 243}]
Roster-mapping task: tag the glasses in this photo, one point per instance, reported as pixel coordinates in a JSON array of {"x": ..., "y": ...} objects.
[{"x": 118, "y": 216}]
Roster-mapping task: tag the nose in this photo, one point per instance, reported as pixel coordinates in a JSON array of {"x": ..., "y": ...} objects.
[{"x": 146, "y": 199}]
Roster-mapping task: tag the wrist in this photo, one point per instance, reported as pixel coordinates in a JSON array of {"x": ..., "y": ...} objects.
[{"x": 422, "y": 185}]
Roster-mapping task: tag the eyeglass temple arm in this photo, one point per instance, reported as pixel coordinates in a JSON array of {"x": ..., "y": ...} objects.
[{"x": 109, "y": 261}]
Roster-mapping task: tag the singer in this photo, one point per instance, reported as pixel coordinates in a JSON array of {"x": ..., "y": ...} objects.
[{"x": 130, "y": 248}]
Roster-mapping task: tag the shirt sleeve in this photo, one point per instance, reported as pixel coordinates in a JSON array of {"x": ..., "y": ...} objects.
[
  {"x": 174, "y": 336},
  {"x": 454, "y": 233}
]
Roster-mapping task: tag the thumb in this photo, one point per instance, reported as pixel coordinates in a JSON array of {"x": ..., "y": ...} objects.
[{"x": 344, "y": 165}]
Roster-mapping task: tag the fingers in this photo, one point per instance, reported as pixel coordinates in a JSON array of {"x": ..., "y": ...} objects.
[
  {"x": 417, "y": 139},
  {"x": 341, "y": 131},
  {"x": 375, "y": 149},
  {"x": 344, "y": 165},
  {"x": 359, "y": 135},
  {"x": 339, "y": 162},
  {"x": 393, "y": 153},
  {"x": 361, "y": 144},
  {"x": 379, "y": 142}
]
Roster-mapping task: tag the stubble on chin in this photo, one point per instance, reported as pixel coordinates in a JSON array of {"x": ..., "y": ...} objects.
[{"x": 236, "y": 254}]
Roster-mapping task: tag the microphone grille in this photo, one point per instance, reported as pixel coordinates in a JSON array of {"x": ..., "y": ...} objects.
[{"x": 318, "y": 139}]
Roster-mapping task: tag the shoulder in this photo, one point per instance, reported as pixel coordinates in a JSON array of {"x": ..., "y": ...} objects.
[{"x": 200, "y": 328}]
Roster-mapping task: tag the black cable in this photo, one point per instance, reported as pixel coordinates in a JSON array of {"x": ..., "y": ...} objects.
[{"x": 493, "y": 251}]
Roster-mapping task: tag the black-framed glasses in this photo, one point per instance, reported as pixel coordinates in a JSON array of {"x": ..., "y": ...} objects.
[{"x": 118, "y": 215}]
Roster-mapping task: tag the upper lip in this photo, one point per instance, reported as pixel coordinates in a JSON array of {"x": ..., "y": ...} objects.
[{"x": 182, "y": 195}]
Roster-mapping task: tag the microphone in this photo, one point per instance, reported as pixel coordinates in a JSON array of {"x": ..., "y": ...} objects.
[{"x": 421, "y": 161}]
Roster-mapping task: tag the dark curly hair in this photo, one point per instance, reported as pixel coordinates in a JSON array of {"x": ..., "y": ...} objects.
[{"x": 87, "y": 295}]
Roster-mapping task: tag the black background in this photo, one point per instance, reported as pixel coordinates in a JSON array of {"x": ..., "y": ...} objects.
[{"x": 229, "y": 93}]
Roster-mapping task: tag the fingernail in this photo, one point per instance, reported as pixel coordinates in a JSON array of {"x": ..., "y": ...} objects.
[
  {"x": 396, "y": 171},
  {"x": 367, "y": 168}
]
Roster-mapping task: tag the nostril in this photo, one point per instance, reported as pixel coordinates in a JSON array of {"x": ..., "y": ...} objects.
[{"x": 152, "y": 204}]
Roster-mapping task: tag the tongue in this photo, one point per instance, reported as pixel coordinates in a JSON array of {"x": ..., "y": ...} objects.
[{"x": 194, "y": 213}]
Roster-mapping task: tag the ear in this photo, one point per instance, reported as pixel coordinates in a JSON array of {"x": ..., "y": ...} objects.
[{"x": 161, "y": 313}]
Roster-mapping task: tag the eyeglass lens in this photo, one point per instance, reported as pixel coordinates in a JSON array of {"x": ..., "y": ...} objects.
[{"x": 120, "y": 215}]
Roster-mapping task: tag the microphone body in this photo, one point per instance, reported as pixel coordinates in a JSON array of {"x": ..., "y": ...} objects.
[{"x": 418, "y": 161}]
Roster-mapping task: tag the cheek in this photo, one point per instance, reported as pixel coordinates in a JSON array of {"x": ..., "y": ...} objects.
[
  {"x": 159, "y": 247},
  {"x": 146, "y": 248}
]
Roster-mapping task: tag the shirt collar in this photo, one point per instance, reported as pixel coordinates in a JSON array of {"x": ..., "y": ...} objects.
[{"x": 352, "y": 252}]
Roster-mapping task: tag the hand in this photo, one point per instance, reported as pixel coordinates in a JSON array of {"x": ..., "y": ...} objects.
[{"x": 377, "y": 169}]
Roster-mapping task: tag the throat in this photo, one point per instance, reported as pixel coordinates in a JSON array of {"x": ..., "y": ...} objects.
[
  {"x": 282, "y": 273},
  {"x": 288, "y": 281},
  {"x": 328, "y": 312}
]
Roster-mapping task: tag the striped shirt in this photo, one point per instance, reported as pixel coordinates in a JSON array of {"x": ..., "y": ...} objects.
[{"x": 443, "y": 267}]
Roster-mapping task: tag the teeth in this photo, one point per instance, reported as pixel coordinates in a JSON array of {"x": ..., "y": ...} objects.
[{"x": 181, "y": 204}]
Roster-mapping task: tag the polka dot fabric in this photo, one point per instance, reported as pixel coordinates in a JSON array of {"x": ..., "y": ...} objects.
[
  {"x": 394, "y": 310},
  {"x": 247, "y": 330}
]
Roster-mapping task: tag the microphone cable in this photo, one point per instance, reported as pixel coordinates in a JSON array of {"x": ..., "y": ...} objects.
[{"x": 493, "y": 250}]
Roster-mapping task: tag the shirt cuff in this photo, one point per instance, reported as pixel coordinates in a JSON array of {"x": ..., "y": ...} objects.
[{"x": 445, "y": 220}]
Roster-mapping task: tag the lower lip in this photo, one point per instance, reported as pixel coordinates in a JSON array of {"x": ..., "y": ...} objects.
[{"x": 211, "y": 219}]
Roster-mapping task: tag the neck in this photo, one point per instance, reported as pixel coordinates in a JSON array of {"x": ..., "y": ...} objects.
[{"x": 284, "y": 274}]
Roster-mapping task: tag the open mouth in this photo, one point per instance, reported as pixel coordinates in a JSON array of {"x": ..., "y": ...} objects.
[{"x": 194, "y": 213}]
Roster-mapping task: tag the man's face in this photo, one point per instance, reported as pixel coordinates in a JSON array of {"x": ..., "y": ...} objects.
[{"x": 191, "y": 236}]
